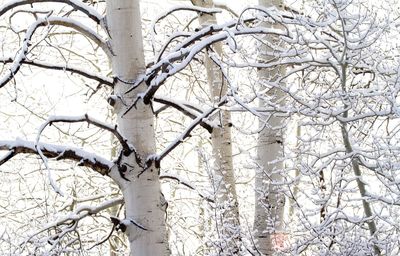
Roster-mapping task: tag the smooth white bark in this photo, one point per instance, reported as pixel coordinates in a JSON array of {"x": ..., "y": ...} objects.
[
  {"x": 221, "y": 144},
  {"x": 269, "y": 200},
  {"x": 144, "y": 202}
]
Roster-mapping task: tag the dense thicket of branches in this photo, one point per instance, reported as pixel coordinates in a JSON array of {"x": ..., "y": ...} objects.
[{"x": 335, "y": 96}]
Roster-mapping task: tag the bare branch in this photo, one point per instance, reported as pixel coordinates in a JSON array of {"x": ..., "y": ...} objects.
[
  {"x": 21, "y": 56},
  {"x": 76, "y": 4},
  {"x": 227, "y": 8},
  {"x": 76, "y": 70},
  {"x": 186, "y": 109},
  {"x": 185, "y": 134},
  {"x": 186, "y": 184}
]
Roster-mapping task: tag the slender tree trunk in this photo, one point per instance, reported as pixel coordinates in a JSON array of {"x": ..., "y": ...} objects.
[
  {"x": 296, "y": 176},
  {"x": 356, "y": 166},
  {"x": 361, "y": 187},
  {"x": 222, "y": 148},
  {"x": 144, "y": 202},
  {"x": 269, "y": 204}
]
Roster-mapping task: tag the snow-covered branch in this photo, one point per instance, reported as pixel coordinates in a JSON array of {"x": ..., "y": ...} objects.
[
  {"x": 186, "y": 133},
  {"x": 176, "y": 61},
  {"x": 184, "y": 8},
  {"x": 58, "y": 152},
  {"x": 68, "y": 222},
  {"x": 66, "y": 22},
  {"x": 126, "y": 146},
  {"x": 76, "y": 4}
]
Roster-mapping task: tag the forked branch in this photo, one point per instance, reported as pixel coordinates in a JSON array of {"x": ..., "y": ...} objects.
[
  {"x": 66, "y": 22},
  {"x": 127, "y": 148},
  {"x": 76, "y": 4},
  {"x": 73, "y": 69}
]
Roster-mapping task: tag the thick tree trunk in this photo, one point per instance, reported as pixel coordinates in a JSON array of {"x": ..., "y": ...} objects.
[
  {"x": 229, "y": 225},
  {"x": 144, "y": 202},
  {"x": 269, "y": 200}
]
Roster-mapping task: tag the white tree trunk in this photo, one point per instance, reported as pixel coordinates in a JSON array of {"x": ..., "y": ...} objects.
[
  {"x": 144, "y": 202},
  {"x": 269, "y": 201},
  {"x": 229, "y": 225}
]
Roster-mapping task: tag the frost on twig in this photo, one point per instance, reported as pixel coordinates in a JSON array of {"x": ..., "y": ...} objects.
[{"x": 21, "y": 56}]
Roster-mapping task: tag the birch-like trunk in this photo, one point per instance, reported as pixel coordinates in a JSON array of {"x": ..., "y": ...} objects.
[
  {"x": 269, "y": 201},
  {"x": 144, "y": 202},
  {"x": 229, "y": 224}
]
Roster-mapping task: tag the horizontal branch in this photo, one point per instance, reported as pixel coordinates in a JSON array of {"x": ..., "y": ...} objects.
[
  {"x": 76, "y": 70},
  {"x": 76, "y": 4},
  {"x": 21, "y": 56},
  {"x": 58, "y": 152},
  {"x": 127, "y": 148}
]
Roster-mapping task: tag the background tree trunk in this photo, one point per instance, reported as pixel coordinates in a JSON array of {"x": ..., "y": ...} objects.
[
  {"x": 144, "y": 202},
  {"x": 221, "y": 144}
]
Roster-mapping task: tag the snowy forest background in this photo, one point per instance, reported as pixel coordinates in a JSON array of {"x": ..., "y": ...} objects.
[{"x": 199, "y": 128}]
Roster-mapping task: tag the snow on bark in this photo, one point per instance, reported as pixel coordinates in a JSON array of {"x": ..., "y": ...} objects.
[
  {"x": 226, "y": 197},
  {"x": 21, "y": 56},
  {"x": 144, "y": 222},
  {"x": 269, "y": 200}
]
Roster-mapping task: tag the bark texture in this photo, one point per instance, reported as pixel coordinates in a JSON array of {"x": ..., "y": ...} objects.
[
  {"x": 144, "y": 202},
  {"x": 222, "y": 148},
  {"x": 269, "y": 201}
]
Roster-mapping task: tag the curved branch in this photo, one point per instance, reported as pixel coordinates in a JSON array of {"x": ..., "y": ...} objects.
[
  {"x": 77, "y": 70},
  {"x": 127, "y": 148},
  {"x": 21, "y": 56},
  {"x": 65, "y": 223},
  {"x": 186, "y": 184},
  {"x": 76, "y": 4},
  {"x": 184, "y": 56},
  {"x": 169, "y": 41},
  {"x": 185, "y": 134},
  {"x": 198, "y": 9},
  {"x": 186, "y": 109},
  {"x": 58, "y": 152}
]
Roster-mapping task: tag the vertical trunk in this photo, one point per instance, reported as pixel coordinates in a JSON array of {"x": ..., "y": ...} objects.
[
  {"x": 356, "y": 167},
  {"x": 115, "y": 239},
  {"x": 361, "y": 187},
  {"x": 269, "y": 204},
  {"x": 296, "y": 176},
  {"x": 144, "y": 202},
  {"x": 222, "y": 149}
]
